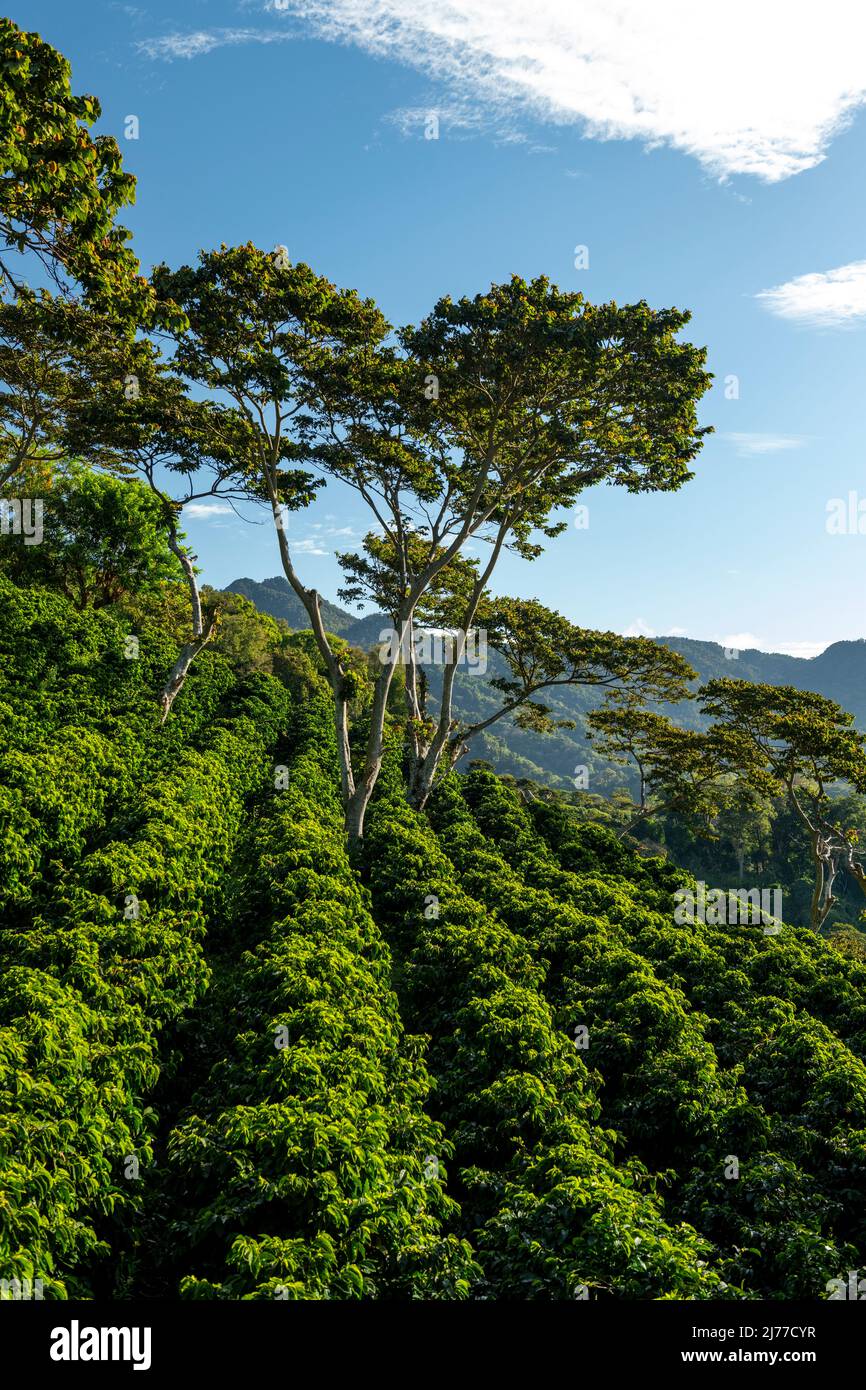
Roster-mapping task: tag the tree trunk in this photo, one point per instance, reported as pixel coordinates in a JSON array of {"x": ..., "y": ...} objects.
[
  {"x": 359, "y": 800},
  {"x": 180, "y": 669},
  {"x": 200, "y": 635},
  {"x": 825, "y": 874}
]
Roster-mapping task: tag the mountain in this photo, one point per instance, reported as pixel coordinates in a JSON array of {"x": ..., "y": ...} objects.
[
  {"x": 839, "y": 673},
  {"x": 276, "y": 597}
]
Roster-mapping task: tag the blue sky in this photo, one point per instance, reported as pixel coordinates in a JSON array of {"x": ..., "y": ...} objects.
[{"x": 709, "y": 160}]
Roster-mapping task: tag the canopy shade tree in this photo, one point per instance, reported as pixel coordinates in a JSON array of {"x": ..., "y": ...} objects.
[
  {"x": 73, "y": 387},
  {"x": 104, "y": 542},
  {"x": 685, "y": 772},
  {"x": 803, "y": 746},
  {"x": 130, "y": 414},
  {"x": 538, "y": 650},
  {"x": 42, "y": 336},
  {"x": 61, "y": 188},
  {"x": 478, "y": 425}
]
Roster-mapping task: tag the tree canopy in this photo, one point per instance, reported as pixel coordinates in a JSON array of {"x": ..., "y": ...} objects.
[
  {"x": 62, "y": 188},
  {"x": 480, "y": 424}
]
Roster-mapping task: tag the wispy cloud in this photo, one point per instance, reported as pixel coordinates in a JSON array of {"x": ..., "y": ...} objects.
[
  {"x": 308, "y": 545},
  {"x": 641, "y": 628},
  {"x": 199, "y": 41},
  {"x": 442, "y": 118},
  {"x": 203, "y": 511},
  {"x": 804, "y": 649},
  {"x": 828, "y": 299},
  {"x": 732, "y": 641},
  {"x": 747, "y": 641},
  {"x": 321, "y": 539},
  {"x": 748, "y": 444},
  {"x": 745, "y": 88}
]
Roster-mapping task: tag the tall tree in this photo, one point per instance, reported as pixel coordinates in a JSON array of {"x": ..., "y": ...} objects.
[
  {"x": 61, "y": 188},
  {"x": 685, "y": 772},
  {"x": 41, "y": 337},
  {"x": 130, "y": 414},
  {"x": 803, "y": 746},
  {"x": 479, "y": 425},
  {"x": 104, "y": 541},
  {"x": 73, "y": 387}
]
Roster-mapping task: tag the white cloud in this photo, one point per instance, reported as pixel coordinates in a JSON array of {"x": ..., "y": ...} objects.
[
  {"x": 202, "y": 511},
  {"x": 199, "y": 41},
  {"x": 732, "y": 641},
  {"x": 756, "y": 443},
  {"x": 739, "y": 641},
  {"x": 828, "y": 299},
  {"x": 639, "y": 628},
  {"x": 747, "y": 641},
  {"x": 307, "y": 545},
  {"x": 745, "y": 88},
  {"x": 452, "y": 117},
  {"x": 804, "y": 649}
]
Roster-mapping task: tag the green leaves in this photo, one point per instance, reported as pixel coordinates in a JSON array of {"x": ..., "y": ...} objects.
[
  {"x": 62, "y": 188},
  {"x": 544, "y": 1204},
  {"x": 85, "y": 988},
  {"x": 303, "y": 1166},
  {"x": 545, "y": 394}
]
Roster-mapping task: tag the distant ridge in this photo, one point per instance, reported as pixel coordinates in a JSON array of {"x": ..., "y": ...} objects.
[
  {"x": 839, "y": 673},
  {"x": 276, "y": 597}
]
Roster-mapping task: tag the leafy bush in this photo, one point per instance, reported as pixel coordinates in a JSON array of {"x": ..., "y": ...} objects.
[
  {"x": 688, "y": 1039},
  {"x": 89, "y": 980},
  {"x": 548, "y": 1209},
  {"x": 307, "y": 1165}
]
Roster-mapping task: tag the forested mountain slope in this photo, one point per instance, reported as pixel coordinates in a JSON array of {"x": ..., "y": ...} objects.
[{"x": 839, "y": 672}]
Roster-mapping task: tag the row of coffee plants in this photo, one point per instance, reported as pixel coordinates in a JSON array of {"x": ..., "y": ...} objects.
[
  {"x": 757, "y": 1107},
  {"x": 306, "y": 1166},
  {"x": 550, "y": 1211},
  {"x": 90, "y": 978},
  {"x": 79, "y": 732}
]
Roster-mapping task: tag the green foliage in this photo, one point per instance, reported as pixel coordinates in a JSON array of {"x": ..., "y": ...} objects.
[
  {"x": 62, "y": 188},
  {"x": 111, "y": 857},
  {"x": 249, "y": 640},
  {"x": 103, "y": 541},
  {"x": 543, "y": 1200},
  {"x": 496, "y": 1159},
  {"x": 712, "y": 1042},
  {"x": 307, "y": 1165}
]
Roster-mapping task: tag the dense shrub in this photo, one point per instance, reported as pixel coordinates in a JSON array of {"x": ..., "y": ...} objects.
[
  {"x": 551, "y": 1214},
  {"x": 307, "y": 1165},
  {"x": 690, "y": 1075},
  {"x": 89, "y": 981}
]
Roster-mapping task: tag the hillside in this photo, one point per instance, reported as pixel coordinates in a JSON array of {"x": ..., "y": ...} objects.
[
  {"x": 477, "y": 1060},
  {"x": 275, "y": 597},
  {"x": 839, "y": 673}
]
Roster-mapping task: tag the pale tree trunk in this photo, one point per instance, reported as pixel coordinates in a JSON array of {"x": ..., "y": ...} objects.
[
  {"x": 427, "y": 767},
  {"x": 336, "y": 672},
  {"x": 356, "y": 792},
  {"x": 825, "y": 874},
  {"x": 356, "y": 807},
  {"x": 824, "y": 858},
  {"x": 201, "y": 635}
]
